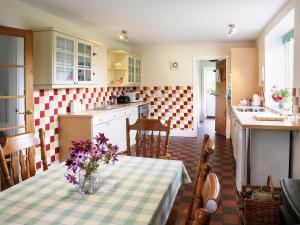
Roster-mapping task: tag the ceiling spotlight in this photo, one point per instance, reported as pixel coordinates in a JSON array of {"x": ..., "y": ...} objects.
[
  {"x": 231, "y": 29},
  {"x": 124, "y": 35}
]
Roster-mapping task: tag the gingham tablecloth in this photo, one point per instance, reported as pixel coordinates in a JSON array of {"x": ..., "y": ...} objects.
[{"x": 136, "y": 191}]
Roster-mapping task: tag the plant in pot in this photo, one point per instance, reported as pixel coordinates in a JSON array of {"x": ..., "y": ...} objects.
[
  {"x": 85, "y": 160},
  {"x": 281, "y": 96}
]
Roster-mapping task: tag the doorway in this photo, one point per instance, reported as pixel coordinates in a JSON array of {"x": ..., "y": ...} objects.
[{"x": 210, "y": 93}]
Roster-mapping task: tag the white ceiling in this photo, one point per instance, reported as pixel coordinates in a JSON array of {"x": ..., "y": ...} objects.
[{"x": 167, "y": 21}]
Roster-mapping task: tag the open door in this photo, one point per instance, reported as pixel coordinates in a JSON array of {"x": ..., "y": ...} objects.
[{"x": 221, "y": 98}]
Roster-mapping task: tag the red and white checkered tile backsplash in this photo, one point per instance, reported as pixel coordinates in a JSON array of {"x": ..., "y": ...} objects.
[
  {"x": 296, "y": 100},
  {"x": 166, "y": 102}
]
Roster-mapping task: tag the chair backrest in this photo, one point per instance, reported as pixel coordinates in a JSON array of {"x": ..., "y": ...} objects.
[
  {"x": 210, "y": 199},
  {"x": 21, "y": 150},
  {"x": 206, "y": 150},
  {"x": 145, "y": 143}
]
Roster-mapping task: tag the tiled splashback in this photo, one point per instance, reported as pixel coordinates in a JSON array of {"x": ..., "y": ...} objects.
[
  {"x": 171, "y": 102},
  {"x": 296, "y": 100},
  {"x": 166, "y": 102}
]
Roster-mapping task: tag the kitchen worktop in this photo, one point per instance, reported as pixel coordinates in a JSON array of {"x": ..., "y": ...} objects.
[
  {"x": 247, "y": 120},
  {"x": 99, "y": 112}
]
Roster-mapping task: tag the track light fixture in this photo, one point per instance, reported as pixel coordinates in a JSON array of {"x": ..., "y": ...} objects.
[
  {"x": 231, "y": 29},
  {"x": 124, "y": 35}
]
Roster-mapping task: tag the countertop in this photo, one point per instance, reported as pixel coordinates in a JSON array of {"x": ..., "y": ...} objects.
[
  {"x": 99, "y": 112},
  {"x": 247, "y": 120}
]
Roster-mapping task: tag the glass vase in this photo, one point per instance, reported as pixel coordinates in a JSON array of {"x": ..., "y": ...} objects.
[{"x": 89, "y": 183}]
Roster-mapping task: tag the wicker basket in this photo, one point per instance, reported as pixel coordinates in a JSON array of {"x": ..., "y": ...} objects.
[{"x": 264, "y": 211}]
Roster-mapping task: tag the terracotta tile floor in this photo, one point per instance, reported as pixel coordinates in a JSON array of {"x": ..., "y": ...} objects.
[{"x": 223, "y": 164}]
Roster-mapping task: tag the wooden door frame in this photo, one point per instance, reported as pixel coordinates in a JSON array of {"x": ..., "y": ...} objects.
[
  {"x": 196, "y": 90},
  {"x": 28, "y": 62}
]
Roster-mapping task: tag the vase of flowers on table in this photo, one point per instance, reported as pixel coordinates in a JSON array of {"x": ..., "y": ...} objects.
[
  {"x": 281, "y": 96},
  {"x": 84, "y": 162}
]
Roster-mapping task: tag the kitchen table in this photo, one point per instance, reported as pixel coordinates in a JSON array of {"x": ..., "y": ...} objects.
[{"x": 135, "y": 191}]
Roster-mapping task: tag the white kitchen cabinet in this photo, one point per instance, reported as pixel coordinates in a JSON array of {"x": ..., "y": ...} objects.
[
  {"x": 63, "y": 61},
  {"x": 86, "y": 127},
  {"x": 259, "y": 153}
]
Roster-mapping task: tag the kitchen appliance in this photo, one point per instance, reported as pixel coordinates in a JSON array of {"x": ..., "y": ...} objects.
[
  {"x": 290, "y": 208},
  {"x": 143, "y": 111},
  {"x": 255, "y": 100},
  {"x": 122, "y": 99},
  {"x": 75, "y": 106},
  {"x": 134, "y": 96},
  {"x": 243, "y": 102}
]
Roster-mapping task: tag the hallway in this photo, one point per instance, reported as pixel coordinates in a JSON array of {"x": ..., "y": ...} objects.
[{"x": 223, "y": 164}]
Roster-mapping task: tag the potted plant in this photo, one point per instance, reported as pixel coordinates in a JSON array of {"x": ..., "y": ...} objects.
[
  {"x": 84, "y": 162},
  {"x": 281, "y": 96}
]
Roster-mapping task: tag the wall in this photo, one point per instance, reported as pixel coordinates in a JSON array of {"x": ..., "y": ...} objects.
[
  {"x": 156, "y": 61},
  {"x": 296, "y": 91},
  {"x": 156, "y": 69}
]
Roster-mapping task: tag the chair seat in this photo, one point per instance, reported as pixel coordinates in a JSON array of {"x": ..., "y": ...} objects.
[{"x": 177, "y": 216}]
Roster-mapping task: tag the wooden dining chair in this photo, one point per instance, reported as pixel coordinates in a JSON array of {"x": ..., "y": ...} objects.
[
  {"x": 21, "y": 150},
  {"x": 206, "y": 151},
  {"x": 148, "y": 138},
  {"x": 207, "y": 199}
]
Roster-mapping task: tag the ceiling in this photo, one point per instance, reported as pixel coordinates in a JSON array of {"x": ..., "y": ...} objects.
[{"x": 167, "y": 21}]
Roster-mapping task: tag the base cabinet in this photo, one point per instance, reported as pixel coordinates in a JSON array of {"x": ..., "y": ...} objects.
[{"x": 113, "y": 125}]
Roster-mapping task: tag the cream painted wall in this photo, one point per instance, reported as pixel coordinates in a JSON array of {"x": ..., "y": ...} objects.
[
  {"x": 260, "y": 44},
  {"x": 156, "y": 61},
  {"x": 14, "y": 13}
]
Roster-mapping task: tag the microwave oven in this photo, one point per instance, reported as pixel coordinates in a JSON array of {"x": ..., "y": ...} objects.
[{"x": 133, "y": 96}]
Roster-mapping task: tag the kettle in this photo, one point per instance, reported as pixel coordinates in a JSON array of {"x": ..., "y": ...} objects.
[
  {"x": 255, "y": 100},
  {"x": 75, "y": 106}
]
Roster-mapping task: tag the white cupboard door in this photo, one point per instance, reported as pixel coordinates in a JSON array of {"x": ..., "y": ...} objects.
[
  {"x": 99, "y": 71},
  {"x": 64, "y": 59},
  {"x": 100, "y": 128}
]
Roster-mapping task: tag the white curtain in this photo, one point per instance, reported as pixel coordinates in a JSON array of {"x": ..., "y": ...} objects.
[{"x": 289, "y": 62}]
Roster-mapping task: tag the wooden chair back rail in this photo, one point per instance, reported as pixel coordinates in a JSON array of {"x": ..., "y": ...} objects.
[
  {"x": 146, "y": 145},
  {"x": 43, "y": 149},
  {"x": 21, "y": 150}
]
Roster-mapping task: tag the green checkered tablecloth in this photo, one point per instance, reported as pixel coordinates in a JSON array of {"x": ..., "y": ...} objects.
[{"x": 135, "y": 191}]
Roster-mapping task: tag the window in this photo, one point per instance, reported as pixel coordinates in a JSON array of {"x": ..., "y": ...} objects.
[{"x": 279, "y": 63}]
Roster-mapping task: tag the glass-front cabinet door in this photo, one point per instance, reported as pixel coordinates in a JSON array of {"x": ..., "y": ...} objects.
[
  {"x": 130, "y": 70},
  {"x": 64, "y": 66},
  {"x": 84, "y": 62},
  {"x": 16, "y": 108},
  {"x": 137, "y": 77}
]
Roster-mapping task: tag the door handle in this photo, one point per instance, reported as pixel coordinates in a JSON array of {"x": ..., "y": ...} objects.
[{"x": 27, "y": 112}]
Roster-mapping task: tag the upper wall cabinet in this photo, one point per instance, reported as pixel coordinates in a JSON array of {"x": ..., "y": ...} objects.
[
  {"x": 124, "y": 69},
  {"x": 62, "y": 61},
  {"x": 244, "y": 73}
]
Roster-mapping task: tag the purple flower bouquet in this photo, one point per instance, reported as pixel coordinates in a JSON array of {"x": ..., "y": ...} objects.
[{"x": 85, "y": 159}]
